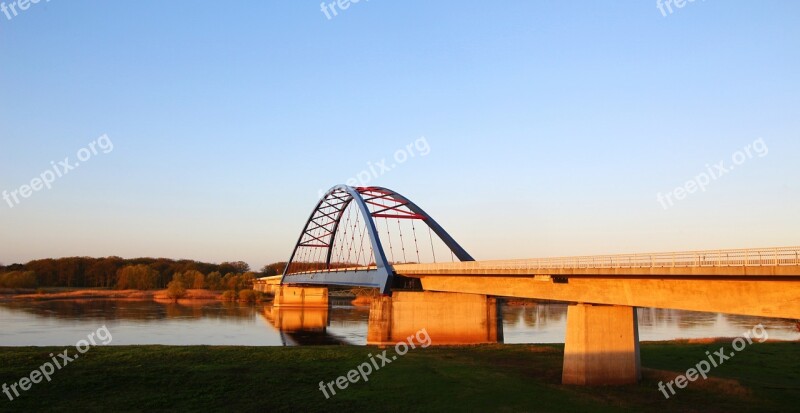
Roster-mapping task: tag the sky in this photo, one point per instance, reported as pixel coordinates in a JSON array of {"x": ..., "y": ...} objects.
[{"x": 205, "y": 130}]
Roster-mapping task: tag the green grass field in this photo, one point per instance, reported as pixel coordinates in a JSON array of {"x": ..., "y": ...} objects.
[{"x": 494, "y": 378}]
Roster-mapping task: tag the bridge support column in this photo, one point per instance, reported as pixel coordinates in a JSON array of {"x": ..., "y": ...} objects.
[
  {"x": 448, "y": 318},
  {"x": 602, "y": 345},
  {"x": 297, "y": 296},
  {"x": 265, "y": 287}
]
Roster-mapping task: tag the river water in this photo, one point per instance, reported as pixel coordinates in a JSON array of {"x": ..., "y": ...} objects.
[{"x": 65, "y": 322}]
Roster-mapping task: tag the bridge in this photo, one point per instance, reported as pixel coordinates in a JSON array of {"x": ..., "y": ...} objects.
[{"x": 375, "y": 237}]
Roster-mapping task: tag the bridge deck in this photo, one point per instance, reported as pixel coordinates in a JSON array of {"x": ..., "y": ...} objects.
[{"x": 761, "y": 282}]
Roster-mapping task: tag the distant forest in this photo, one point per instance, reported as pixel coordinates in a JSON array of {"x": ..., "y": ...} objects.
[{"x": 138, "y": 273}]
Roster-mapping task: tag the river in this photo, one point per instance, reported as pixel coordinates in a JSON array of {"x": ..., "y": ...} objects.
[{"x": 131, "y": 322}]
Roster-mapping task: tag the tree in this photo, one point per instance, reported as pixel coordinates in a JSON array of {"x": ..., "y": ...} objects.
[
  {"x": 138, "y": 277},
  {"x": 46, "y": 272},
  {"x": 71, "y": 271},
  {"x": 165, "y": 268},
  {"x": 192, "y": 278},
  {"x": 214, "y": 281},
  {"x": 111, "y": 272},
  {"x": 247, "y": 279},
  {"x": 276, "y": 268},
  {"x": 229, "y": 281},
  {"x": 199, "y": 281},
  {"x": 234, "y": 267},
  {"x": 248, "y": 296},
  {"x": 18, "y": 279},
  {"x": 175, "y": 289},
  {"x": 102, "y": 272}
]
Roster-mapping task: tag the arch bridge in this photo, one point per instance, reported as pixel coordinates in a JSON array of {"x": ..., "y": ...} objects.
[{"x": 375, "y": 237}]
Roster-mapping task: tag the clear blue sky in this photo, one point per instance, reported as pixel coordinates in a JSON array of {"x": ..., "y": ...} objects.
[{"x": 552, "y": 126}]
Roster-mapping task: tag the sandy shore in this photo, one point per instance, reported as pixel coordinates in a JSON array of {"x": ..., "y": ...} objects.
[{"x": 116, "y": 294}]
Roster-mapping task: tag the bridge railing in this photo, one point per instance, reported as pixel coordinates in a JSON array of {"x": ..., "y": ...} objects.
[
  {"x": 752, "y": 257},
  {"x": 709, "y": 258},
  {"x": 336, "y": 269}
]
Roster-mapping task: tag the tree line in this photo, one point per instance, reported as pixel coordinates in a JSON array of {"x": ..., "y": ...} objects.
[{"x": 137, "y": 273}]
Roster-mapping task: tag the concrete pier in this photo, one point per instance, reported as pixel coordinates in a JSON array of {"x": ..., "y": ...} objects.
[
  {"x": 602, "y": 345},
  {"x": 449, "y": 318},
  {"x": 293, "y": 296},
  {"x": 267, "y": 284}
]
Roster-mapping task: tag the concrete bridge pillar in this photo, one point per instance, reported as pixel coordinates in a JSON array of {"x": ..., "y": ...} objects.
[
  {"x": 263, "y": 287},
  {"x": 602, "y": 345},
  {"x": 267, "y": 284},
  {"x": 448, "y": 318},
  {"x": 299, "y": 296}
]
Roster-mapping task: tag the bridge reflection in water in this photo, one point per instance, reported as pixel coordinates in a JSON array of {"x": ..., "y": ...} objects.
[
  {"x": 302, "y": 325},
  {"x": 448, "y": 318}
]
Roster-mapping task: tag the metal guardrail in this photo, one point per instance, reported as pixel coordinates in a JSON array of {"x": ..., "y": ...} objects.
[
  {"x": 334, "y": 270},
  {"x": 751, "y": 257},
  {"x": 754, "y": 257}
]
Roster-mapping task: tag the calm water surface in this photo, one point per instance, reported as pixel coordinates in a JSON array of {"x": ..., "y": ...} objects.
[{"x": 64, "y": 322}]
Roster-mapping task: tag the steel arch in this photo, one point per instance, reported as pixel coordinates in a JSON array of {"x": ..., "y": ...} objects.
[{"x": 339, "y": 198}]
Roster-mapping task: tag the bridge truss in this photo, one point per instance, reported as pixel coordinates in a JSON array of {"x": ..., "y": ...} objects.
[{"x": 345, "y": 238}]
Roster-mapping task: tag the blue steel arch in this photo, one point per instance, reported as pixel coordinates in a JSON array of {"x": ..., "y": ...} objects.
[{"x": 338, "y": 198}]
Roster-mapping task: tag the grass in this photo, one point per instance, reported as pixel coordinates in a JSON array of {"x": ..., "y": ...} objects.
[{"x": 496, "y": 378}]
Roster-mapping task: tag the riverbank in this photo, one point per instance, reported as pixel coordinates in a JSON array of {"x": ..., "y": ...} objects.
[
  {"x": 507, "y": 378},
  {"x": 85, "y": 294},
  {"x": 193, "y": 294}
]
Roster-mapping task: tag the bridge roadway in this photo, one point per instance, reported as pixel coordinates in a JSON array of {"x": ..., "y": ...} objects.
[{"x": 759, "y": 282}]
